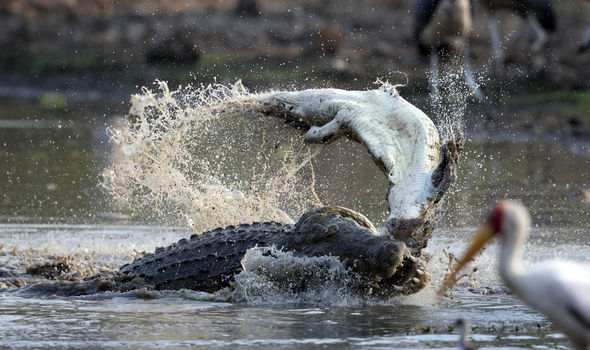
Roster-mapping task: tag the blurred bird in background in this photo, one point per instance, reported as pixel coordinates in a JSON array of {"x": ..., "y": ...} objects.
[
  {"x": 441, "y": 30},
  {"x": 540, "y": 16}
]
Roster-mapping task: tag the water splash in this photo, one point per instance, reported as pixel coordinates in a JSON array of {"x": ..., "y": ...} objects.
[
  {"x": 202, "y": 157},
  {"x": 448, "y": 99},
  {"x": 275, "y": 277}
]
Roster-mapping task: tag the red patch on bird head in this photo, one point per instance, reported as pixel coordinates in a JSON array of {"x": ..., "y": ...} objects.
[{"x": 495, "y": 217}]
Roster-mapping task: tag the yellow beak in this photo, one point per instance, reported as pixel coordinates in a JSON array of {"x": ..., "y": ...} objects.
[{"x": 482, "y": 236}]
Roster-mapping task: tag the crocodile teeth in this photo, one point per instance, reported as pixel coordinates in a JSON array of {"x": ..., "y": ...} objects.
[
  {"x": 420, "y": 272},
  {"x": 415, "y": 280}
]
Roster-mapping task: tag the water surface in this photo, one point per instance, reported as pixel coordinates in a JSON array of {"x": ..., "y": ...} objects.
[{"x": 51, "y": 205}]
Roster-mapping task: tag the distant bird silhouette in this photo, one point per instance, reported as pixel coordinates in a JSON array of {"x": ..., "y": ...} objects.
[
  {"x": 462, "y": 326},
  {"x": 442, "y": 28},
  {"x": 441, "y": 24},
  {"x": 559, "y": 289},
  {"x": 538, "y": 13}
]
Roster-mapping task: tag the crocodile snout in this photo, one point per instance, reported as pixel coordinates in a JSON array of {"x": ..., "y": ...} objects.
[
  {"x": 400, "y": 228},
  {"x": 390, "y": 258}
]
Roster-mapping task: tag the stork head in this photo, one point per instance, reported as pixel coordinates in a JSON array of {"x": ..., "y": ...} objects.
[{"x": 508, "y": 219}]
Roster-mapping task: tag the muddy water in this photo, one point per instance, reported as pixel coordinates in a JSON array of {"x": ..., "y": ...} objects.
[{"x": 51, "y": 204}]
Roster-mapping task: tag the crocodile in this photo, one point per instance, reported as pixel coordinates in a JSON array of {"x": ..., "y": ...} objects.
[
  {"x": 402, "y": 141},
  {"x": 389, "y": 264},
  {"x": 376, "y": 265},
  {"x": 405, "y": 145},
  {"x": 210, "y": 260}
]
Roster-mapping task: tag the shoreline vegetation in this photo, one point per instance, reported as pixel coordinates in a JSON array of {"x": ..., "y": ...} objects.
[{"x": 66, "y": 51}]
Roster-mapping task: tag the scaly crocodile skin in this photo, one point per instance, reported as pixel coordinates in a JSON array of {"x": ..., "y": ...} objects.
[{"x": 208, "y": 261}]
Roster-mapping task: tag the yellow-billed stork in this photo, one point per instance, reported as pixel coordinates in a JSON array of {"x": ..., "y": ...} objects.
[{"x": 559, "y": 289}]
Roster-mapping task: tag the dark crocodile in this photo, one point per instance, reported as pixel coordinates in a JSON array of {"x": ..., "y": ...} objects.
[{"x": 209, "y": 261}]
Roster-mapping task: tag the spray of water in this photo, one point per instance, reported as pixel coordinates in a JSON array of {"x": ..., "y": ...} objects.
[
  {"x": 202, "y": 157},
  {"x": 448, "y": 99},
  {"x": 272, "y": 276}
]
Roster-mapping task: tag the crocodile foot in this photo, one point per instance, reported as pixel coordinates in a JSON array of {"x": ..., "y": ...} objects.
[{"x": 410, "y": 278}]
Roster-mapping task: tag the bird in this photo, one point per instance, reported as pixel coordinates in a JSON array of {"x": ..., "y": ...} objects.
[
  {"x": 538, "y": 13},
  {"x": 442, "y": 28},
  {"x": 559, "y": 289},
  {"x": 440, "y": 24},
  {"x": 462, "y": 326}
]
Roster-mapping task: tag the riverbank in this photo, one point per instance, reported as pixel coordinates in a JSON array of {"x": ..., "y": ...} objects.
[{"x": 66, "y": 52}]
